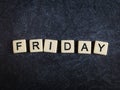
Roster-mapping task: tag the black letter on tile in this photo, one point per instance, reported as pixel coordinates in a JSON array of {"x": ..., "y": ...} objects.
[
  {"x": 84, "y": 47},
  {"x": 101, "y": 46},
  {"x": 50, "y": 45},
  {"x": 18, "y": 44},
  {"x": 35, "y": 44},
  {"x": 66, "y": 44}
]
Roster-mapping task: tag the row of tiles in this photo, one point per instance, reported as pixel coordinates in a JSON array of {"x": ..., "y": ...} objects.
[{"x": 67, "y": 46}]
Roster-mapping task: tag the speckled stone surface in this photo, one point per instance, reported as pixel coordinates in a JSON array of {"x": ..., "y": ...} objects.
[{"x": 59, "y": 19}]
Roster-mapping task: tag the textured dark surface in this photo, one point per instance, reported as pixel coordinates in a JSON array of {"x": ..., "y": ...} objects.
[{"x": 59, "y": 19}]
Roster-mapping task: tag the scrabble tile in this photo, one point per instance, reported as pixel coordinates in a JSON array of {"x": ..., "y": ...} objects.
[
  {"x": 101, "y": 47},
  {"x": 67, "y": 46},
  {"x": 19, "y": 46},
  {"x": 36, "y": 45},
  {"x": 84, "y": 47},
  {"x": 50, "y": 46}
]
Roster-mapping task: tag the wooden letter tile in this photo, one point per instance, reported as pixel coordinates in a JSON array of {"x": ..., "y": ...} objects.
[
  {"x": 84, "y": 47},
  {"x": 50, "y": 46},
  {"x": 101, "y": 47},
  {"x": 67, "y": 46},
  {"x": 36, "y": 45},
  {"x": 19, "y": 46}
]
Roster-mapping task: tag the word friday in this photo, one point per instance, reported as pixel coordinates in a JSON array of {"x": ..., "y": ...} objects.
[{"x": 67, "y": 46}]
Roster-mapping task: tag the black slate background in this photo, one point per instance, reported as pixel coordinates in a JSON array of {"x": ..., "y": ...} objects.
[{"x": 59, "y": 19}]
